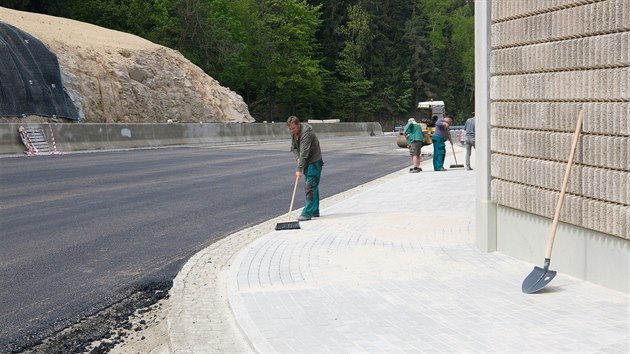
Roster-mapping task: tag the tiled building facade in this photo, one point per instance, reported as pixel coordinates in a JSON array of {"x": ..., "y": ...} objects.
[{"x": 539, "y": 62}]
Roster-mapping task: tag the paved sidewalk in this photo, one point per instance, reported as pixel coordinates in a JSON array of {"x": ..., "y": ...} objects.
[{"x": 394, "y": 269}]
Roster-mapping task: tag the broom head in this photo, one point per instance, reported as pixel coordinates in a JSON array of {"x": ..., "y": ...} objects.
[{"x": 290, "y": 225}]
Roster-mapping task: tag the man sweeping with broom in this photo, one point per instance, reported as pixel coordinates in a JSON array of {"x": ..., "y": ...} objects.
[
  {"x": 305, "y": 148},
  {"x": 441, "y": 134}
]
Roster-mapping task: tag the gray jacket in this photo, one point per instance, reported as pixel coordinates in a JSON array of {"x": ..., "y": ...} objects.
[
  {"x": 442, "y": 131},
  {"x": 469, "y": 126},
  {"x": 306, "y": 150}
]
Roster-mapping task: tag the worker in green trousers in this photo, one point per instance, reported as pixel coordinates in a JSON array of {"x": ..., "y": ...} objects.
[{"x": 305, "y": 147}]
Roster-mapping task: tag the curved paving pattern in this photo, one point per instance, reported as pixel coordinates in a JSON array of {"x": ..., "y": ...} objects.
[{"x": 379, "y": 272}]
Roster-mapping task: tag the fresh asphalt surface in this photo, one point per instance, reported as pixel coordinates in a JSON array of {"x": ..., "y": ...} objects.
[{"x": 82, "y": 231}]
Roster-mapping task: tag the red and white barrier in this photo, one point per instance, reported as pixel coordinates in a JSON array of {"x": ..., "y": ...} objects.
[
  {"x": 54, "y": 145},
  {"x": 36, "y": 142},
  {"x": 32, "y": 150}
]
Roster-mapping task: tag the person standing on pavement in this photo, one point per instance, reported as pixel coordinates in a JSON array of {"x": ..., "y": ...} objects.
[
  {"x": 469, "y": 127},
  {"x": 305, "y": 148},
  {"x": 440, "y": 135},
  {"x": 413, "y": 133}
]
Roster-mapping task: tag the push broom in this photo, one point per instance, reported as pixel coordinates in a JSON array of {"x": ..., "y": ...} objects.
[
  {"x": 456, "y": 165},
  {"x": 290, "y": 225}
]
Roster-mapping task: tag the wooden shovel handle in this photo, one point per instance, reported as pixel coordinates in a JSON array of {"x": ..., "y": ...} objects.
[{"x": 567, "y": 173}]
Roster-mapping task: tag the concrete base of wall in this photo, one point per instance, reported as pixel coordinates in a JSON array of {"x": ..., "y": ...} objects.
[
  {"x": 486, "y": 231},
  {"x": 93, "y": 136},
  {"x": 579, "y": 252}
]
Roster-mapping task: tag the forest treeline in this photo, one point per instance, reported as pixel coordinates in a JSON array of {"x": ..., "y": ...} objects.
[{"x": 355, "y": 60}]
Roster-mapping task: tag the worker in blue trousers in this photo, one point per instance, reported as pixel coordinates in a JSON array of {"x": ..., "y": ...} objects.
[{"x": 440, "y": 135}]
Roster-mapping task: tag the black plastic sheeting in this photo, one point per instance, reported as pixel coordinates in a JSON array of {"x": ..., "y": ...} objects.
[{"x": 30, "y": 79}]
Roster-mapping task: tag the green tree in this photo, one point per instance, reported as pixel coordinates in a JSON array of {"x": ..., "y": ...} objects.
[
  {"x": 424, "y": 72},
  {"x": 231, "y": 24},
  {"x": 463, "y": 41},
  {"x": 285, "y": 59},
  {"x": 150, "y": 19},
  {"x": 51, "y": 7},
  {"x": 353, "y": 88},
  {"x": 349, "y": 59},
  {"x": 451, "y": 31},
  {"x": 389, "y": 64},
  {"x": 205, "y": 36},
  {"x": 106, "y": 13},
  {"x": 19, "y": 5}
]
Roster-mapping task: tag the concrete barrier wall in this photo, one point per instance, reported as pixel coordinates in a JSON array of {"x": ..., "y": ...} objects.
[{"x": 97, "y": 136}]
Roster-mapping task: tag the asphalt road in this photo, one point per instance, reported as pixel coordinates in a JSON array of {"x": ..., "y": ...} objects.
[{"x": 81, "y": 231}]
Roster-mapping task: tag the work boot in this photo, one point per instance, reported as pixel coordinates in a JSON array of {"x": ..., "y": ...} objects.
[
  {"x": 469, "y": 168},
  {"x": 304, "y": 218}
]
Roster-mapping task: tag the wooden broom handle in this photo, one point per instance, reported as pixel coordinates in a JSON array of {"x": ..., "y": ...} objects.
[
  {"x": 297, "y": 178},
  {"x": 567, "y": 172}
]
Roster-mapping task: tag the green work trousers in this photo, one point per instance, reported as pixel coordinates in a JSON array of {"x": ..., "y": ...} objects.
[
  {"x": 439, "y": 152},
  {"x": 312, "y": 175}
]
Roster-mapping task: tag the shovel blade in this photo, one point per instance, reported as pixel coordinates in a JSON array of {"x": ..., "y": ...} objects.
[{"x": 537, "y": 279}]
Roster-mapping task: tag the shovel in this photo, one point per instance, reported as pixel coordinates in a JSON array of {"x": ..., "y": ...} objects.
[
  {"x": 290, "y": 225},
  {"x": 540, "y": 277}
]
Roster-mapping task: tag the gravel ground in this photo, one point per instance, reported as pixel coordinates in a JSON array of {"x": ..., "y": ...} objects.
[
  {"x": 146, "y": 330},
  {"x": 139, "y": 315}
]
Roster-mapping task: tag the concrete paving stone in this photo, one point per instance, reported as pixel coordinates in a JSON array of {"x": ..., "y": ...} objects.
[{"x": 366, "y": 277}]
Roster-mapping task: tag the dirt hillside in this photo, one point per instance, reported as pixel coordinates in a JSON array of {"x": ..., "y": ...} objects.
[{"x": 116, "y": 77}]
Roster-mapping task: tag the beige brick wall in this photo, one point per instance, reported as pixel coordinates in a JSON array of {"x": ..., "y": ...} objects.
[{"x": 548, "y": 60}]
